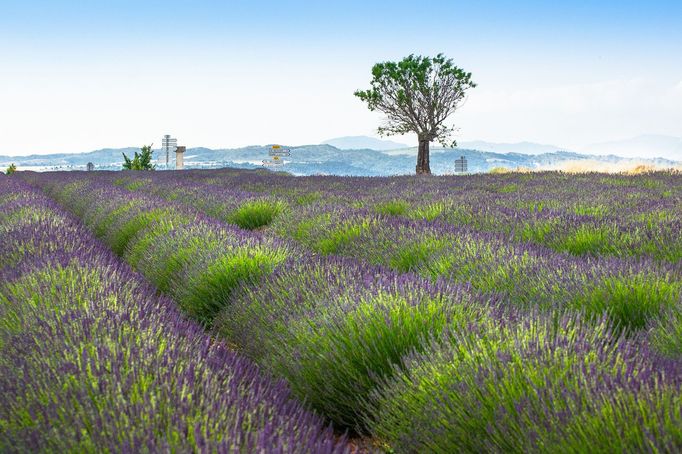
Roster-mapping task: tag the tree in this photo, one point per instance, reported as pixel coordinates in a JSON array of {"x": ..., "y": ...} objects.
[
  {"x": 141, "y": 161},
  {"x": 418, "y": 94},
  {"x": 11, "y": 169}
]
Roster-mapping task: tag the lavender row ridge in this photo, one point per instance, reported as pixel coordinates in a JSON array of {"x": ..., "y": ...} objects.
[
  {"x": 424, "y": 334},
  {"x": 93, "y": 360}
]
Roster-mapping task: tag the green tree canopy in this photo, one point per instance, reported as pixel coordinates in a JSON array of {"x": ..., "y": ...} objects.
[
  {"x": 11, "y": 169},
  {"x": 141, "y": 161},
  {"x": 418, "y": 95}
]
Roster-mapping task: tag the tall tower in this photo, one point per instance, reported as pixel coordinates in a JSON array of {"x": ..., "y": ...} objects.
[
  {"x": 168, "y": 144},
  {"x": 179, "y": 160}
]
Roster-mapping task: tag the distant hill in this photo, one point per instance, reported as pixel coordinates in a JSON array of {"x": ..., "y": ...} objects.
[
  {"x": 326, "y": 159},
  {"x": 644, "y": 146},
  {"x": 106, "y": 158},
  {"x": 363, "y": 143}
]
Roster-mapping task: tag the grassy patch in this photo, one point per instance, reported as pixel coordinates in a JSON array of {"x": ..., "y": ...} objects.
[
  {"x": 337, "y": 238},
  {"x": 666, "y": 334},
  {"x": 256, "y": 214},
  {"x": 492, "y": 385},
  {"x": 596, "y": 211},
  {"x": 136, "y": 184},
  {"x": 392, "y": 208},
  {"x": 307, "y": 198},
  {"x": 338, "y": 362},
  {"x": 209, "y": 289},
  {"x": 120, "y": 236},
  {"x": 413, "y": 256},
  {"x": 631, "y": 302},
  {"x": 588, "y": 240},
  {"x": 508, "y": 188},
  {"x": 536, "y": 232},
  {"x": 430, "y": 211}
]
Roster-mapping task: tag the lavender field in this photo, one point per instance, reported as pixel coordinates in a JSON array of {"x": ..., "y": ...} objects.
[{"x": 251, "y": 311}]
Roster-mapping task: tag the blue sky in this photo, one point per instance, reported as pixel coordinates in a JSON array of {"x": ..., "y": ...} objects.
[{"x": 78, "y": 77}]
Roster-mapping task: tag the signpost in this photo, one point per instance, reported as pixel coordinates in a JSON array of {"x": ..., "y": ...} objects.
[{"x": 276, "y": 152}]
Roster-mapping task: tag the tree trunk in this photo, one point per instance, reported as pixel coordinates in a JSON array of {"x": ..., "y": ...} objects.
[{"x": 423, "y": 167}]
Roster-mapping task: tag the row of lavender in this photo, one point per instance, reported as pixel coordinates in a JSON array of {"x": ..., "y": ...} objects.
[
  {"x": 94, "y": 361},
  {"x": 633, "y": 291},
  {"x": 211, "y": 270},
  {"x": 417, "y": 363},
  {"x": 635, "y": 294},
  {"x": 579, "y": 214}
]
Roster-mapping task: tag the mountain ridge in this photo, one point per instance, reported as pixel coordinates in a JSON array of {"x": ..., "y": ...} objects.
[{"x": 323, "y": 159}]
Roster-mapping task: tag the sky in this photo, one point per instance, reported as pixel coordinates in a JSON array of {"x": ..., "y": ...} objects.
[{"x": 80, "y": 76}]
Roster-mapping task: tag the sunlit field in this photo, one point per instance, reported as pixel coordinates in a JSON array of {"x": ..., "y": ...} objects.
[{"x": 253, "y": 311}]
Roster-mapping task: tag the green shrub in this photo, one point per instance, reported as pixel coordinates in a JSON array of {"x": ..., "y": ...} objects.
[
  {"x": 136, "y": 184},
  {"x": 645, "y": 421},
  {"x": 335, "y": 330},
  {"x": 143, "y": 242},
  {"x": 141, "y": 160},
  {"x": 255, "y": 214},
  {"x": 208, "y": 286},
  {"x": 337, "y": 361},
  {"x": 487, "y": 267},
  {"x": 163, "y": 261},
  {"x": 24, "y": 216},
  {"x": 415, "y": 255},
  {"x": 307, "y": 198},
  {"x": 631, "y": 302},
  {"x": 498, "y": 387},
  {"x": 100, "y": 218},
  {"x": 70, "y": 287},
  {"x": 536, "y": 232},
  {"x": 392, "y": 208},
  {"x": 597, "y": 211},
  {"x": 509, "y": 188},
  {"x": 588, "y": 240},
  {"x": 119, "y": 234},
  {"x": 337, "y": 238},
  {"x": 303, "y": 228},
  {"x": 429, "y": 212},
  {"x": 666, "y": 333}
]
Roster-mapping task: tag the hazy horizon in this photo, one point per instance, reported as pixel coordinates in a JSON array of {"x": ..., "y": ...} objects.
[{"x": 77, "y": 78}]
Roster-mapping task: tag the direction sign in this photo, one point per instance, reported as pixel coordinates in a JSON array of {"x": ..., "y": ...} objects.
[
  {"x": 277, "y": 153},
  {"x": 277, "y": 150}
]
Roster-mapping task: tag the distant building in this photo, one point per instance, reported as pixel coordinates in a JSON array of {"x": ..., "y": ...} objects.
[
  {"x": 461, "y": 165},
  {"x": 179, "y": 161},
  {"x": 169, "y": 145},
  {"x": 90, "y": 166}
]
